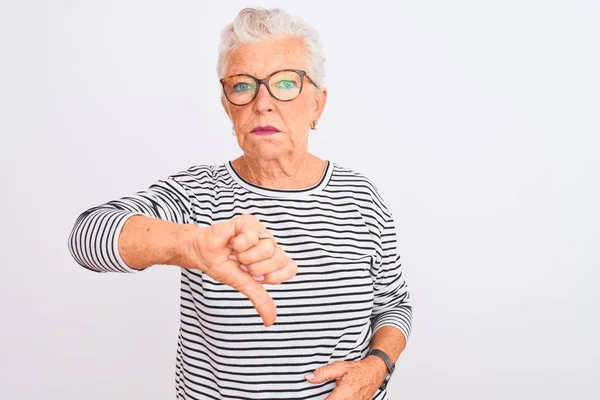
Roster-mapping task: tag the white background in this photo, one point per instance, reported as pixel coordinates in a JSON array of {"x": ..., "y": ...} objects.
[{"x": 479, "y": 121}]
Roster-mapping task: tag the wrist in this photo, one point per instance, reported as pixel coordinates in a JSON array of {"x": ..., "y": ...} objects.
[
  {"x": 185, "y": 248},
  {"x": 377, "y": 365},
  {"x": 389, "y": 365}
]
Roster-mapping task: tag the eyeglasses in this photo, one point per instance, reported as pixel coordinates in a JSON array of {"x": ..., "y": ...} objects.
[{"x": 282, "y": 85}]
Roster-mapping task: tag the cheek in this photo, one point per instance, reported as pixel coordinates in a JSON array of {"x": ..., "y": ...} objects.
[
  {"x": 240, "y": 116},
  {"x": 296, "y": 114}
]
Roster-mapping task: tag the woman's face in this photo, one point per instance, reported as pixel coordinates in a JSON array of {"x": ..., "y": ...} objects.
[{"x": 292, "y": 119}]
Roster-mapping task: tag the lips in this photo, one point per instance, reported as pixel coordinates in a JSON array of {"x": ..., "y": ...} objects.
[{"x": 264, "y": 130}]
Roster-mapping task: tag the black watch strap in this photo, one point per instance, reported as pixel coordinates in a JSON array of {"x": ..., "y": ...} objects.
[{"x": 388, "y": 363}]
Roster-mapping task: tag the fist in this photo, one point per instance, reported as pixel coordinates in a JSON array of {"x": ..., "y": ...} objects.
[{"x": 241, "y": 253}]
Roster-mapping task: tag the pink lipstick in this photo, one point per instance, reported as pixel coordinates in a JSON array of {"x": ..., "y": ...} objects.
[{"x": 264, "y": 130}]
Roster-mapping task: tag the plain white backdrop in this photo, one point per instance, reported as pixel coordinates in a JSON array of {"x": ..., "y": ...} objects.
[{"x": 479, "y": 122}]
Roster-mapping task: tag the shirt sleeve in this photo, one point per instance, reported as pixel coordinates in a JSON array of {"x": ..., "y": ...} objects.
[
  {"x": 392, "y": 306},
  {"x": 93, "y": 241}
]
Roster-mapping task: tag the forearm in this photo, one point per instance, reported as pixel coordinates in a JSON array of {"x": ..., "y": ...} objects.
[
  {"x": 145, "y": 241},
  {"x": 389, "y": 339},
  {"x": 106, "y": 239},
  {"x": 142, "y": 227}
]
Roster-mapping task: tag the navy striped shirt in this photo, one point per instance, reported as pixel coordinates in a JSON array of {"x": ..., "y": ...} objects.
[{"x": 349, "y": 281}]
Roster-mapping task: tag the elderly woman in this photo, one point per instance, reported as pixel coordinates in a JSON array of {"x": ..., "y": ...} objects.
[{"x": 291, "y": 285}]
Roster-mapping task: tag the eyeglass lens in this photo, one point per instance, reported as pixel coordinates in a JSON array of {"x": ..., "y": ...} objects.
[{"x": 284, "y": 86}]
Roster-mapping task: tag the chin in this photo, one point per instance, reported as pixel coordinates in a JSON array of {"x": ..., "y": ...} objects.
[{"x": 266, "y": 152}]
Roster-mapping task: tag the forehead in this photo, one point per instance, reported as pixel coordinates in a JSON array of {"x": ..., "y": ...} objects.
[{"x": 263, "y": 57}]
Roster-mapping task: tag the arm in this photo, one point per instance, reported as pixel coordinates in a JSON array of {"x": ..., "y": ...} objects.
[
  {"x": 391, "y": 318},
  {"x": 164, "y": 242},
  {"x": 392, "y": 310},
  {"x": 107, "y": 238},
  {"x": 392, "y": 341}
]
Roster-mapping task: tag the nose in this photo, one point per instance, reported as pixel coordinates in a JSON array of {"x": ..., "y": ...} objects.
[{"x": 263, "y": 101}]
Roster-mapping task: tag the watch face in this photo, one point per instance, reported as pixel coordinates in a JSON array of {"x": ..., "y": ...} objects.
[{"x": 385, "y": 381}]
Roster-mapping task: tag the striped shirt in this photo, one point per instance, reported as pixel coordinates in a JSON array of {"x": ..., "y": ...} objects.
[{"x": 349, "y": 281}]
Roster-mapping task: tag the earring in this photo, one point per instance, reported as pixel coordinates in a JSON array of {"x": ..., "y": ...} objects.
[
  {"x": 233, "y": 131},
  {"x": 314, "y": 125}
]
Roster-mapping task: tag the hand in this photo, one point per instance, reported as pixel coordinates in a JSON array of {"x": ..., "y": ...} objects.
[
  {"x": 231, "y": 253},
  {"x": 355, "y": 380}
]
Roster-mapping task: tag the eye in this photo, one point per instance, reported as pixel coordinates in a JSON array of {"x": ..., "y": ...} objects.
[
  {"x": 286, "y": 84},
  {"x": 242, "y": 87}
]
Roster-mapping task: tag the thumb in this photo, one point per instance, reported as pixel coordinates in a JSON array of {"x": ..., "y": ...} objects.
[
  {"x": 258, "y": 295},
  {"x": 329, "y": 372}
]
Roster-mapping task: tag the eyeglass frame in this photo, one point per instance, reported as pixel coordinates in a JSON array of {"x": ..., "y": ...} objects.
[{"x": 265, "y": 82}]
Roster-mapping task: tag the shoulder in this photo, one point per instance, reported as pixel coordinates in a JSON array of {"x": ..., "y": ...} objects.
[
  {"x": 200, "y": 176},
  {"x": 357, "y": 180}
]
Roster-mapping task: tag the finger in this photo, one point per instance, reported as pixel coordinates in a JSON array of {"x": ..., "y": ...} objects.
[
  {"x": 244, "y": 241},
  {"x": 221, "y": 233},
  {"x": 332, "y": 371},
  {"x": 247, "y": 228},
  {"x": 282, "y": 275},
  {"x": 230, "y": 274},
  {"x": 261, "y": 267},
  {"x": 260, "y": 298},
  {"x": 264, "y": 250}
]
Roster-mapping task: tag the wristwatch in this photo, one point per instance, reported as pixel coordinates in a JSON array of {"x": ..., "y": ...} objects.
[{"x": 388, "y": 363}]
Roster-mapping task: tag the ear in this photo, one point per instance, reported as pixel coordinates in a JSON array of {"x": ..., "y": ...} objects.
[{"x": 320, "y": 102}]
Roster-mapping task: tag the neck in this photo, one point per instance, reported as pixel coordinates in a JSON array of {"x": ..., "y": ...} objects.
[{"x": 297, "y": 172}]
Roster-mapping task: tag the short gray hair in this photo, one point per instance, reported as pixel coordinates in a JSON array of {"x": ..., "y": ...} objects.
[{"x": 254, "y": 24}]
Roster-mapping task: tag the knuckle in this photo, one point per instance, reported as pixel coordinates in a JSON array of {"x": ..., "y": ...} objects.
[
  {"x": 282, "y": 262},
  {"x": 339, "y": 364},
  {"x": 266, "y": 252},
  {"x": 235, "y": 244},
  {"x": 251, "y": 220},
  {"x": 246, "y": 217},
  {"x": 241, "y": 242},
  {"x": 284, "y": 259},
  {"x": 246, "y": 238},
  {"x": 271, "y": 248}
]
